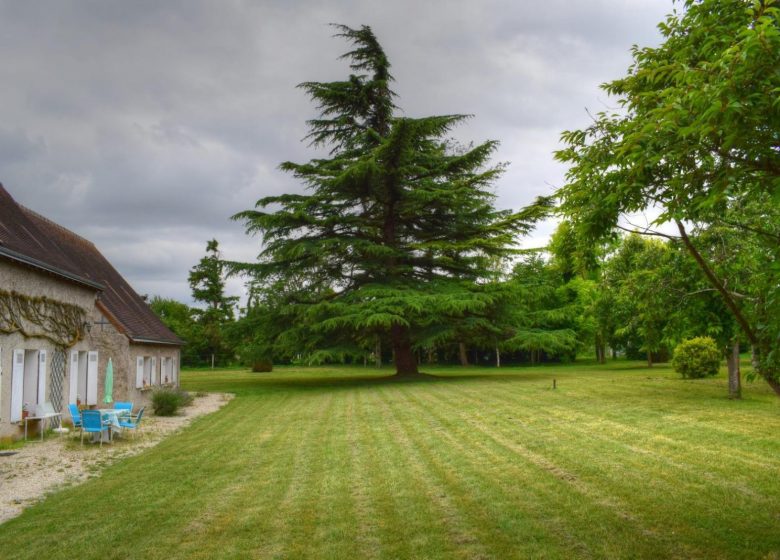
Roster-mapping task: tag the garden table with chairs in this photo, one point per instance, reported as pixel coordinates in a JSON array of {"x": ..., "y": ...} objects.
[{"x": 102, "y": 423}]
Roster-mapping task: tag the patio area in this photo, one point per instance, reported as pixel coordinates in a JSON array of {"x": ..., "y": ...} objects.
[{"x": 39, "y": 468}]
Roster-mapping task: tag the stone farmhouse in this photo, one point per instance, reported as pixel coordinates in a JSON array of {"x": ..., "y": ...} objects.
[{"x": 64, "y": 311}]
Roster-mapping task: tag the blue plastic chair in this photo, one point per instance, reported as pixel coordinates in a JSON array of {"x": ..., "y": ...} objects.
[
  {"x": 75, "y": 416},
  {"x": 92, "y": 423},
  {"x": 133, "y": 424},
  {"x": 127, "y": 407}
]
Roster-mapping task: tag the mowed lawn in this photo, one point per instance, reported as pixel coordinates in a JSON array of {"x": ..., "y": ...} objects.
[{"x": 617, "y": 462}]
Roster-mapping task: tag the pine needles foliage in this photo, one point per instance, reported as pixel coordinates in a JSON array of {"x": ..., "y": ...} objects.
[{"x": 397, "y": 228}]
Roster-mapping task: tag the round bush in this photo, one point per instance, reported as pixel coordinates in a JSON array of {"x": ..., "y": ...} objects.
[{"x": 696, "y": 358}]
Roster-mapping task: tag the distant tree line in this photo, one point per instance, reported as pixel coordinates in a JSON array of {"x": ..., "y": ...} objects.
[
  {"x": 206, "y": 328},
  {"x": 630, "y": 296}
]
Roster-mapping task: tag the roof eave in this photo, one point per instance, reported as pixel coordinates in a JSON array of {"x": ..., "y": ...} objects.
[
  {"x": 30, "y": 261},
  {"x": 152, "y": 341}
]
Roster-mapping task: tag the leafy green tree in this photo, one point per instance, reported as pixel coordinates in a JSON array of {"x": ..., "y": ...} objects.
[
  {"x": 698, "y": 134},
  {"x": 701, "y": 311},
  {"x": 397, "y": 224},
  {"x": 541, "y": 312},
  {"x": 581, "y": 261},
  {"x": 742, "y": 245},
  {"x": 177, "y": 316},
  {"x": 254, "y": 335},
  {"x": 207, "y": 281},
  {"x": 644, "y": 292},
  {"x": 573, "y": 255},
  {"x": 180, "y": 318}
]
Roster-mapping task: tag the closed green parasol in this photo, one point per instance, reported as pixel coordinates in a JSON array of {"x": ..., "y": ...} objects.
[{"x": 109, "y": 382}]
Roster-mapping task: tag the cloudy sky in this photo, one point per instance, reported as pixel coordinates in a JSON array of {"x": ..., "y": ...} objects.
[{"x": 145, "y": 125}]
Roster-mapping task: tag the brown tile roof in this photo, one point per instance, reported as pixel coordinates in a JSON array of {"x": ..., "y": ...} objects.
[
  {"x": 28, "y": 237},
  {"x": 21, "y": 240}
]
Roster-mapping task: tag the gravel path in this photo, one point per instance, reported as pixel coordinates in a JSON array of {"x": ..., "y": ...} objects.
[{"x": 42, "y": 468}]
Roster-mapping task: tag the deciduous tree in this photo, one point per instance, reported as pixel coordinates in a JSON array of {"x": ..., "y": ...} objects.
[{"x": 697, "y": 134}]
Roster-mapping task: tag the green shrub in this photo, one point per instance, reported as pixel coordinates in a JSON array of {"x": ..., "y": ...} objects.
[
  {"x": 166, "y": 402},
  {"x": 696, "y": 358}
]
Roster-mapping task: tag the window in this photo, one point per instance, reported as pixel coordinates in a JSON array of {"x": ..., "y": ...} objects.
[
  {"x": 28, "y": 381},
  {"x": 83, "y": 377},
  {"x": 147, "y": 370},
  {"x": 146, "y": 373},
  {"x": 166, "y": 370}
]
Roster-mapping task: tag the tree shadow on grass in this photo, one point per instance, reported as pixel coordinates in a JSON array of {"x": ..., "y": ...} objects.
[
  {"x": 337, "y": 382},
  {"x": 346, "y": 378}
]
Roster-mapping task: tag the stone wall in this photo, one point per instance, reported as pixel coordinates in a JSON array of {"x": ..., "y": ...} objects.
[
  {"x": 30, "y": 282},
  {"x": 103, "y": 337},
  {"x": 110, "y": 343},
  {"x": 158, "y": 352}
]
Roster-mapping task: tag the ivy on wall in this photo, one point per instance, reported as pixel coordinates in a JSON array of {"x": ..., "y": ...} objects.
[{"x": 41, "y": 317}]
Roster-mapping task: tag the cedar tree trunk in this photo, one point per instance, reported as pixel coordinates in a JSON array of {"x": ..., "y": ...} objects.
[
  {"x": 405, "y": 362},
  {"x": 464, "y": 357}
]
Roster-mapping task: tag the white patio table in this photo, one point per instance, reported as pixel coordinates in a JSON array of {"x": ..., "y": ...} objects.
[
  {"x": 42, "y": 419},
  {"x": 112, "y": 417}
]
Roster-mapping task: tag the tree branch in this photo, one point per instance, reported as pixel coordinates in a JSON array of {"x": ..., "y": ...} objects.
[
  {"x": 718, "y": 285},
  {"x": 752, "y": 229},
  {"x": 704, "y": 290},
  {"x": 767, "y": 166},
  {"x": 646, "y": 231}
]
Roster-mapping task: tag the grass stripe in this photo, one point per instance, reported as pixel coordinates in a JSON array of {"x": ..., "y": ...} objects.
[{"x": 618, "y": 462}]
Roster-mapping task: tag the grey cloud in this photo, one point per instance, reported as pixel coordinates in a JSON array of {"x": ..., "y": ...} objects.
[
  {"x": 18, "y": 147},
  {"x": 144, "y": 125}
]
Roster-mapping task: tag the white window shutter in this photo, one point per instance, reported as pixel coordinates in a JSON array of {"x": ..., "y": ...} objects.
[
  {"x": 17, "y": 386},
  {"x": 92, "y": 377},
  {"x": 154, "y": 371},
  {"x": 74, "y": 377},
  {"x": 139, "y": 372},
  {"x": 174, "y": 372},
  {"x": 41, "y": 377}
]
